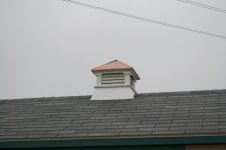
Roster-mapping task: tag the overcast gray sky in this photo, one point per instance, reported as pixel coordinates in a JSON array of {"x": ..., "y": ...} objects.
[{"x": 47, "y": 48}]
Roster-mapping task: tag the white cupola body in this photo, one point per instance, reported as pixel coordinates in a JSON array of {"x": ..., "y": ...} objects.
[{"x": 114, "y": 80}]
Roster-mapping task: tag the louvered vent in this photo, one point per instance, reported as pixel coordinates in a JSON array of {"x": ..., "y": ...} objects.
[
  {"x": 112, "y": 79},
  {"x": 132, "y": 81}
]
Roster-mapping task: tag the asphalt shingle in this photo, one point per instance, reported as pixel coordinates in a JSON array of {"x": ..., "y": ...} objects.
[{"x": 150, "y": 114}]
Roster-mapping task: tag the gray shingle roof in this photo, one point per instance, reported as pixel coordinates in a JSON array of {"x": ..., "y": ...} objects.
[{"x": 151, "y": 114}]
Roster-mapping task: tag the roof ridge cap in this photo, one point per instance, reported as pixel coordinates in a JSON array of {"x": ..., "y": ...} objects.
[{"x": 186, "y": 92}]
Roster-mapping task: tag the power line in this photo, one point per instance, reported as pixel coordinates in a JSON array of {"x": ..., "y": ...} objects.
[
  {"x": 203, "y": 6},
  {"x": 145, "y": 19}
]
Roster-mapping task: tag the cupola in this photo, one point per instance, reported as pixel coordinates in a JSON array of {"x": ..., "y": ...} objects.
[{"x": 114, "y": 80}]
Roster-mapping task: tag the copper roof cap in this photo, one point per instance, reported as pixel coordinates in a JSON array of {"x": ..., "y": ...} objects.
[{"x": 115, "y": 65}]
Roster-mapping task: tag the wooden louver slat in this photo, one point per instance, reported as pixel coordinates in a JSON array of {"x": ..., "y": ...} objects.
[{"x": 112, "y": 79}]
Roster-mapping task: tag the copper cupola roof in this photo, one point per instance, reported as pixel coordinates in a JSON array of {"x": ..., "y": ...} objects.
[{"x": 115, "y": 65}]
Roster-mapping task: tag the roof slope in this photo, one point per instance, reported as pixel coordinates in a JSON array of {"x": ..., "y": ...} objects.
[{"x": 154, "y": 114}]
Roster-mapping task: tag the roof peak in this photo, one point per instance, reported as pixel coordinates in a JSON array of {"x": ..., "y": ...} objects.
[{"x": 113, "y": 65}]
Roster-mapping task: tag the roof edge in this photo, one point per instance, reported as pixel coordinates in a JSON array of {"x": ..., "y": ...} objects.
[{"x": 178, "y": 140}]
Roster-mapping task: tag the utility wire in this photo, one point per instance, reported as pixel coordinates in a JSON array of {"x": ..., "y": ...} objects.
[
  {"x": 145, "y": 19},
  {"x": 203, "y": 6}
]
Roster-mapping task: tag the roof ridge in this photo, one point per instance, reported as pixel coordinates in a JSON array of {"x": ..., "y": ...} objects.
[
  {"x": 185, "y": 92},
  {"x": 51, "y": 97},
  {"x": 139, "y": 94}
]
